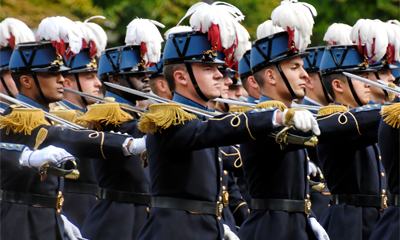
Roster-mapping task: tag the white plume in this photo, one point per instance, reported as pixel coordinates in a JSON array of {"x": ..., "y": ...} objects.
[
  {"x": 338, "y": 34},
  {"x": 359, "y": 32},
  {"x": 94, "y": 35},
  {"x": 394, "y": 21},
  {"x": 177, "y": 29},
  {"x": 377, "y": 41},
  {"x": 60, "y": 30},
  {"x": 143, "y": 32},
  {"x": 14, "y": 27},
  {"x": 393, "y": 30},
  {"x": 296, "y": 18},
  {"x": 267, "y": 28}
]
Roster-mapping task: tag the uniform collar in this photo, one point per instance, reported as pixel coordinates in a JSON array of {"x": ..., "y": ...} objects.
[
  {"x": 309, "y": 101},
  {"x": 180, "y": 99},
  {"x": 251, "y": 99},
  {"x": 264, "y": 98},
  {"x": 73, "y": 106},
  {"x": 119, "y": 99},
  {"x": 29, "y": 101},
  {"x": 4, "y": 105}
]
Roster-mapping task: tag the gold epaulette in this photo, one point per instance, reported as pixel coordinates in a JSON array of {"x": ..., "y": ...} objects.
[
  {"x": 237, "y": 109},
  {"x": 104, "y": 114},
  {"x": 392, "y": 115},
  {"x": 69, "y": 115},
  {"x": 162, "y": 116},
  {"x": 267, "y": 104},
  {"x": 332, "y": 109},
  {"x": 390, "y": 94},
  {"x": 23, "y": 120}
]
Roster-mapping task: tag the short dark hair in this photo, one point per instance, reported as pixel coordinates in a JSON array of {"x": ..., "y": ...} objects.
[
  {"x": 328, "y": 79},
  {"x": 259, "y": 75},
  {"x": 245, "y": 83},
  {"x": 17, "y": 76},
  {"x": 169, "y": 71}
]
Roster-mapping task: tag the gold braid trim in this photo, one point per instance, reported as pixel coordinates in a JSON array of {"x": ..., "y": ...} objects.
[
  {"x": 267, "y": 104},
  {"x": 104, "y": 114},
  {"x": 162, "y": 116},
  {"x": 327, "y": 110},
  {"x": 390, "y": 94},
  {"x": 238, "y": 109},
  {"x": 392, "y": 114},
  {"x": 69, "y": 115},
  {"x": 23, "y": 120}
]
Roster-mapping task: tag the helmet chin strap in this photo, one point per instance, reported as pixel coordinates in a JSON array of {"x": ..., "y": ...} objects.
[
  {"x": 285, "y": 80},
  {"x": 384, "y": 91},
  {"x": 130, "y": 96},
  {"x": 38, "y": 87},
  {"x": 80, "y": 88},
  {"x": 5, "y": 86},
  {"x": 195, "y": 85},
  {"x": 328, "y": 100},
  {"x": 354, "y": 92}
]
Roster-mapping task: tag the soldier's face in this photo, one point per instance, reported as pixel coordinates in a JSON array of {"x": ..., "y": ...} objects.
[
  {"x": 140, "y": 81},
  {"x": 208, "y": 78},
  {"x": 362, "y": 90},
  {"x": 235, "y": 92},
  {"x": 51, "y": 85},
  {"x": 10, "y": 84},
  {"x": 296, "y": 75},
  {"x": 90, "y": 84},
  {"x": 225, "y": 82}
]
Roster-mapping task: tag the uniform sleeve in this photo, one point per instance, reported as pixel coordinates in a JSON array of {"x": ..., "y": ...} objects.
[
  {"x": 237, "y": 204},
  {"x": 13, "y": 152}
]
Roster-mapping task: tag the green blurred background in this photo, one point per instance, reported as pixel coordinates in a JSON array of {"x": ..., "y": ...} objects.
[{"x": 120, "y": 12}]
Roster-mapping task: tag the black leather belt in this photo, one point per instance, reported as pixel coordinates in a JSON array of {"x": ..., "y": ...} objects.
[
  {"x": 124, "y": 197},
  {"x": 196, "y": 206},
  {"x": 82, "y": 188},
  {"x": 394, "y": 200},
  {"x": 288, "y": 205},
  {"x": 360, "y": 200},
  {"x": 34, "y": 200}
]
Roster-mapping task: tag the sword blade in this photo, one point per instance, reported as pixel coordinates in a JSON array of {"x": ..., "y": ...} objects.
[
  {"x": 387, "y": 84},
  {"x": 372, "y": 83},
  {"x": 230, "y": 101}
]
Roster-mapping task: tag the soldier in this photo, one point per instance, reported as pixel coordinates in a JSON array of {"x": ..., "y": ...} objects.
[
  {"x": 122, "y": 208},
  {"x": 159, "y": 86},
  {"x": 383, "y": 73},
  {"x": 183, "y": 149}
]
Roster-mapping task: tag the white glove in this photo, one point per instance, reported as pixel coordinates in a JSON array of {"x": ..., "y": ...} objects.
[
  {"x": 137, "y": 146},
  {"x": 312, "y": 169},
  {"x": 302, "y": 120},
  {"x": 228, "y": 234},
  {"x": 318, "y": 230},
  {"x": 38, "y": 157},
  {"x": 71, "y": 230}
]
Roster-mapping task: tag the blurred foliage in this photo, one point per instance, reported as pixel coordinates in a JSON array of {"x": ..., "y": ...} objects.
[{"x": 120, "y": 12}]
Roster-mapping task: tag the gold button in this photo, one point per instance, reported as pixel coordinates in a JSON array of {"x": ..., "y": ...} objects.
[
  {"x": 220, "y": 159},
  {"x": 308, "y": 159},
  {"x": 262, "y": 109},
  {"x": 111, "y": 131},
  {"x": 3, "y": 145},
  {"x": 223, "y": 188},
  {"x": 225, "y": 172},
  {"x": 248, "y": 210},
  {"x": 148, "y": 209},
  {"x": 219, "y": 218},
  {"x": 368, "y": 106},
  {"x": 220, "y": 198},
  {"x": 380, "y": 158},
  {"x": 97, "y": 199},
  {"x": 360, "y": 108},
  {"x": 18, "y": 146},
  {"x": 382, "y": 174},
  {"x": 308, "y": 177},
  {"x": 125, "y": 133},
  {"x": 308, "y": 196},
  {"x": 220, "y": 179},
  {"x": 270, "y": 108},
  {"x": 64, "y": 125},
  {"x": 375, "y": 105},
  {"x": 383, "y": 191},
  {"x": 329, "y": 205},
  {"x": 10, "y": 145},
  {"x": 119, "y": 132}
]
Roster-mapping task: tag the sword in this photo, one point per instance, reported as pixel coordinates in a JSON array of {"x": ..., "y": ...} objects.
[
  {"x": 372, "y": 83},
  {"x": 49, "y": 115},
  {"x": 230, "y": 101},
  {"x": 387, "y": 84},
  {"x": 283, "y": 137},
  {"x": 122, "y": 105}
]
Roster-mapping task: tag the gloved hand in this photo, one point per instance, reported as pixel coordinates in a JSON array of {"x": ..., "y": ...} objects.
[
  {"x": 71, "y": 230},
  {"x": 137, "y": 146},
  {"x": 318, "y": 230},
  {"x": 38, "y": 157},
  {"x": 301, "y": 120},
  {"x": 312, "y": 169},
  {"x": 228, "y": 234}
]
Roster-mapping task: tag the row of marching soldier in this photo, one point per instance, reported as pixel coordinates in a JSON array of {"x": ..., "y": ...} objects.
[{"x": 216, "y": 138}]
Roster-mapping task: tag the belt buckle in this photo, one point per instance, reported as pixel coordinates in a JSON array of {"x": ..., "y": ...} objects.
[
  {"x": 307, "y": 207},
  {"x": 60, "y": 202},
  {"x": 384, "y": 202},
  {"x": 219, "y": 208},
  {"x": 225, "y": 198}
]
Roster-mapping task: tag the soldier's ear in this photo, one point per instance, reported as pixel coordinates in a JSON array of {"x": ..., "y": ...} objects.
[
  {"x": 181, "y": 77},
  {"x": 270, "y": 76},
  {"x": 162, "y": 85},
  {"x": 26, "y": 81},
  {"x": 252, "y": 82},
  {"x": 67, "y": 82},
  {"x": 337, "y": 85}
]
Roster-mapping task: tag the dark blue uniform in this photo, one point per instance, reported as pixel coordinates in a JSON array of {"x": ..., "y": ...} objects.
[
  {"x": 388, "y": 141},
  {"x": 272, "y": 173},
  {"x": 184, "y": 164},
  {"x": 350, "y": 161},
  {"x": 45, "y": 222},
  {"x": 119, "y": 217}
]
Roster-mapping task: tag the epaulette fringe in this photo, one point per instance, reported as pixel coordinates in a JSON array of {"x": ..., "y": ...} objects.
[
  {"x": 392, "y": 115},
  {"x": 267, "y": 104},
  {"x": 332, "y": 109},
  {"x": 100, "y": 115},
  {"x": 239, "y": 109},
  {"x": 162, "y": 116},
  {"x": 69, "y": 115},
  {"x": 23, "y": 120}
]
